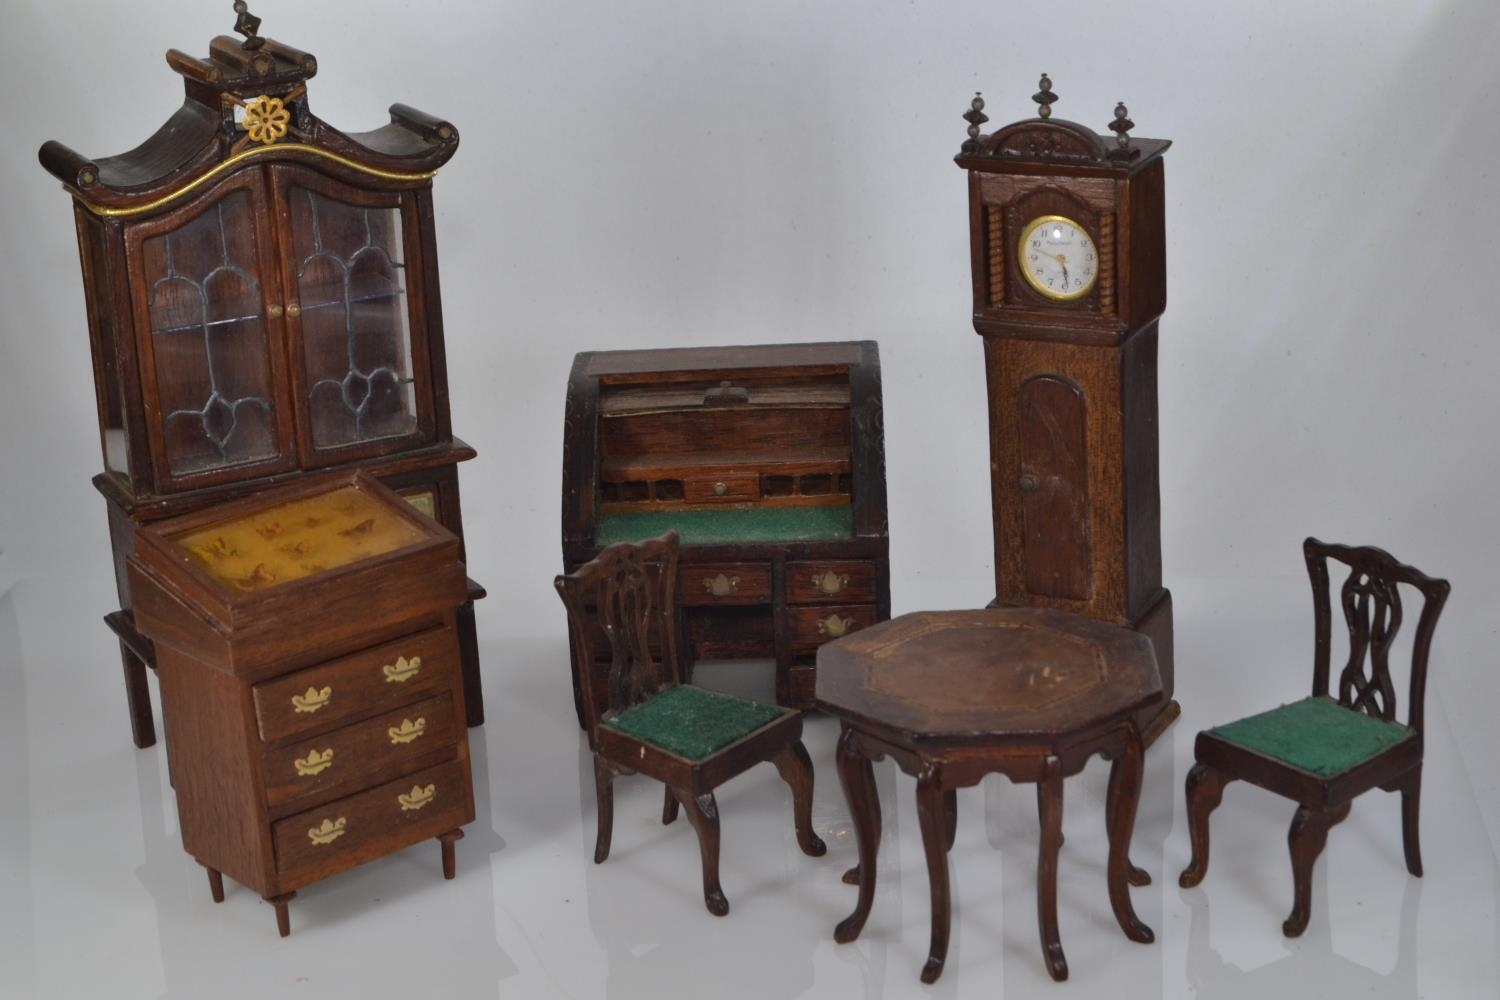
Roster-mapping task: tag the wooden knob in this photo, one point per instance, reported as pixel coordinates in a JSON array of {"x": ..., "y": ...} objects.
[{"x": 1028, "y": 484}]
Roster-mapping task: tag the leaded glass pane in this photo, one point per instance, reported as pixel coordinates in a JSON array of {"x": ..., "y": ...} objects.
[
  {"x": 356, "y": 344},
  {"x": 209, "y": 342}
]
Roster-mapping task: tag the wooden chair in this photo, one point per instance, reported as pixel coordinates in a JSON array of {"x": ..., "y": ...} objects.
[
  {"x": 1324, "y": 752},
  {"x": 641, "y": 718}
]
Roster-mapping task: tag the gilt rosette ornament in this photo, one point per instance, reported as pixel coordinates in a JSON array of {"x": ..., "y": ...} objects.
[{"x": 266, "y": 119}]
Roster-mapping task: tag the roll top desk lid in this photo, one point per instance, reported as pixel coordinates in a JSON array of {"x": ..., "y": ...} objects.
[{"x": 248, "y": 101}]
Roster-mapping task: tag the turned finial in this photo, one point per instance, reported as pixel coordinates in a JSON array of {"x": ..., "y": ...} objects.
[
  {"x": 247, "y": 24},
  {"x": 1044, "y": 97},
  {"x": 976, "y": 117},
  {"x": 1122, "y": 125}
]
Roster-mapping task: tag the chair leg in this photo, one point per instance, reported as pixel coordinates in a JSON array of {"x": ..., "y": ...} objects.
[
  {"x": 138, "y": 699},
  {"x": 668, "y": 806},
  {"x": 703, "y": 814},
  {"x": 1205, "y": 789},
  {"x": 795, "y": 768},
  {"x": 604, "y": 798},
  {"x": 1305, "y": 840},
  {"x": 1411, "y": 806},
  {"x": 932, "y": 815},
  {"x": 950, "y": 816}
]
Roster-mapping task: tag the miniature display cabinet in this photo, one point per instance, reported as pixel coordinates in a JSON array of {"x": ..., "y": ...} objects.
[
  {"x": 307, "y": 647},
  {"x": 1067, "y": 240},
  {"x": 770, "y": 464},
  {"x": 262, "y": 296}
]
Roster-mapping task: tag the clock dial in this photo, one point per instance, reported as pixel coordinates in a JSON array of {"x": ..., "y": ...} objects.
[{"x": 1058, "y": 258}]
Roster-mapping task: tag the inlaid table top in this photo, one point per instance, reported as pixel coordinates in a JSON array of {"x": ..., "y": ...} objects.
[{"x": 992, "y": 674}]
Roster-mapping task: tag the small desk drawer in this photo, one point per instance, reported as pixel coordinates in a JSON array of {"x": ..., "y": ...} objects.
[
  {"x": 729, "y": 583},
  {"x": 731, "y": 487},
  {"x": 351, "y": 830},
  {"x": 829, "y": 581},
  {"x": 366, "y": 749},
  {"x": 813, "y": 626},
  {"x": 314, "y": 698}
]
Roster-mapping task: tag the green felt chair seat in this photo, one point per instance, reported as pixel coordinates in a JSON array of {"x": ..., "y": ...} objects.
[
  {"x": 1316, "y": 735},
  {"x": 731, "y": 524},
  {"x": 693, "y": 723}
]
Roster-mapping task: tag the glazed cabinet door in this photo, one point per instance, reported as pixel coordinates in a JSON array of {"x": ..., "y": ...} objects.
[
  {"x": 357, "y": 344},
  {"x": 207, "y": 305}
]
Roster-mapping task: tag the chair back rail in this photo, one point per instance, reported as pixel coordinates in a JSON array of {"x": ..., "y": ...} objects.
[
  {"x": 628, "y": 595},
  {"x": 1370, "y": 598}
]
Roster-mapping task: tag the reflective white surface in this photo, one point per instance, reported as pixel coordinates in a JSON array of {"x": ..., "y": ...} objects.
[{"x": 98, "y": 899}]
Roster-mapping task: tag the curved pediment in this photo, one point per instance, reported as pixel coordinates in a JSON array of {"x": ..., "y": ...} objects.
[{"x": 1045, "y": 139}]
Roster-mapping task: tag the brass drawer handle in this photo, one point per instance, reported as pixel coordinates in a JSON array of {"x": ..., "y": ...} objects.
[
  {"x": 416, "y": 798},
  {"x": 314, "y": 762},
  {"x": 294, "y": 309},
  {"x": 274, "y": 310},
  {"x": 833, "y": 626},
  {"x": 312, "y": 700},
  {"x": 830, "y": 583},
  {"x": 327, "y": 831},
  {"x": 720, "y": 489},
  {"x": 407, "y": 731},
  {"x": 402, "y": 670},
  {"x": 721, "y": 585}
]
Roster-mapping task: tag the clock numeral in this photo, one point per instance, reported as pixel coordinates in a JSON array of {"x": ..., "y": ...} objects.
[
  {"x": 1036, "y": 244},
  {"x": 1077, "y": 282},
  {"x": 1088, "y": 257},
  {"x": 1033, "y": 258}
]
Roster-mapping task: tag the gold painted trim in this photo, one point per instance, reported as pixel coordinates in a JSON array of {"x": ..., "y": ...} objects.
[
  {"x": 408, "y": 731},
  {"x": 327, "y": 831},
  {"x": 312, "y": 700},
  {"x": 402, "y": 670},
  {"x": 105, "y": 212},
  {"x": 416, "y": 798},
  {"x": 1030, "y": 278},
  {"x": 314, "y": 763}
]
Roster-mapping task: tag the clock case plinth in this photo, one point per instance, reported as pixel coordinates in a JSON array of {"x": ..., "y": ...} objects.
[{"x": 1072, "y": 385}]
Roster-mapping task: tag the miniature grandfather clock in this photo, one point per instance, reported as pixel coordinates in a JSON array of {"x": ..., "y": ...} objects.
[
  {"x": 262, "y": 296},
  {"x": 1069, "y": 267}
]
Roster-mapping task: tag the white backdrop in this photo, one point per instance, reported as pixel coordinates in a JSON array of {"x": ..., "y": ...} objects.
[{"x": 643, "y": 174}]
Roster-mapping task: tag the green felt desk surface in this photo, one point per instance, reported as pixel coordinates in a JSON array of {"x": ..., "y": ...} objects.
[
  {"x": 691, "y": 722},
  {"x": 730, "y": 525},
  {"x": 1315, "y": 734}
]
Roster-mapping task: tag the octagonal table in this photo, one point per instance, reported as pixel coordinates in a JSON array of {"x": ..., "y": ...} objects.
[{"x": 954, "y": 695}]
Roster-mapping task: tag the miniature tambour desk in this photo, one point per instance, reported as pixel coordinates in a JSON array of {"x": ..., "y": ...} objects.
[
  {"x": 262, "y": 296},
  {"x": 307, "y": 649},
  {"x": 770, "y": 464}
]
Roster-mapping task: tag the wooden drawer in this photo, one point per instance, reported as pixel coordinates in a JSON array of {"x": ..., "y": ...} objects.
[
  {"x": 727, "y": 583},
  {"x": 829, "y": 581},
  {"x": 320, "y": 697},
  {"x": 731, "y": 487},
  {"x": 813, "y": 626},
  {"x": 364, "y": 752},
  {"x": 361, "y": 827}
]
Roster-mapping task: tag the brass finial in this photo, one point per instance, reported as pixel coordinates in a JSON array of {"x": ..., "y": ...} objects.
[
  {"x": 1122, "y": 125},
  {"x": 1044, "y": 97},
  {"x": 247, "y": 24},
  {"x": 976, "y": 117}
]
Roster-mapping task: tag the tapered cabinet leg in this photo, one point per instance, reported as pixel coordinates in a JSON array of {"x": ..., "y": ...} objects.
[
  {"x": 703, "y": 813},
  {"x": 1205, "y": 789},
  {"x": 795, "y": 768},
  {"x": 138, "y": 699},
  {"x": 283, "y": 913},
  {"x": 604, "y": 799},
  {"x": 932, "y": 815},
  {"x": 858, "y": 778},
  {"x": 1120, "y": 807},
  {"x": 215, "y": 884},
  {"x": 1049, "y": 798},
  {"x": 1305, "y": 840},
  {"x": 1411, "y": 807},
  {"x": 450, "y": 863}
]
